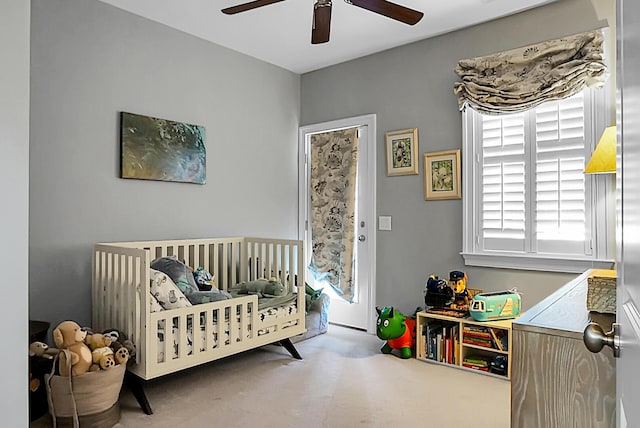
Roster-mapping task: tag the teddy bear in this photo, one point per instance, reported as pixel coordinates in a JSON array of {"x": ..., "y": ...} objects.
[
  {"x": 103, "y": 357},
  {"x": 119, "y": 341},
  {"x": 42, "y": 350},
  {"x": 69, "y": 338},
  {"x": 97, "y": 340}
]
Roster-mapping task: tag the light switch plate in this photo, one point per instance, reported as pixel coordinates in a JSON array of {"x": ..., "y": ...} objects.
[{"x": 384, "y": 222}]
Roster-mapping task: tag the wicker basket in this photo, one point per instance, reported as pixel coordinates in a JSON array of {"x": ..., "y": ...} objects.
[
  {"x": 87, "y": 400},
  {"x": 601, "y": 294}
]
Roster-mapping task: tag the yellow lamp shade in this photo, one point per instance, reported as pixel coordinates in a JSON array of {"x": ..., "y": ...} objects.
[{"x": 603, "y": 159}]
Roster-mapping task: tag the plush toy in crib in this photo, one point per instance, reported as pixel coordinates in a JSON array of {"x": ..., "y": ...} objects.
[
  {"x": 398, "y": 330},
  {"x": 69, "y": 336},
  {"x": 262, "y": 287},
  {"x": 204, "y": 279}
]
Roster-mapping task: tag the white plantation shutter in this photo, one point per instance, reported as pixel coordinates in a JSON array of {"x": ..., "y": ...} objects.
[
  {"x": 503, "y": 182},
  {"x": 561, "y": 150},
  {"x": 532, "y": 195}
]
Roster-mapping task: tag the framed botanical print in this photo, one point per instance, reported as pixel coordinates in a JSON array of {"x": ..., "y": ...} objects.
[
  {"x": 442, "y": 175},
  {"x": 402, "y": 152}
]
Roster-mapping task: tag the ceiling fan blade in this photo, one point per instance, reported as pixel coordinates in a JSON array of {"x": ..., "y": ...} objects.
[
  {"x": 390, "y": 10},
  {"x": 321, "y": 22},
  {"x": 248, "y": 6}
]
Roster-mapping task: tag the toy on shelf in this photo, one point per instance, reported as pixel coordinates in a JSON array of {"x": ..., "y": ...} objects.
[
  {"x": 499, "y": 365},
  {"x": 398, "y": 330},
  {"x": 497, "y": 305},
  {"x": 437, "y": 293},
  {"x": 458, "y": 283}
]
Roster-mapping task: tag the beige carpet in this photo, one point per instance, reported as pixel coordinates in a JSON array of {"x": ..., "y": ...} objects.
[{"x": 343, "y": 381}]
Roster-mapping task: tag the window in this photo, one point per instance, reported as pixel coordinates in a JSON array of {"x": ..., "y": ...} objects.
[{"x": 527, "y": 203}]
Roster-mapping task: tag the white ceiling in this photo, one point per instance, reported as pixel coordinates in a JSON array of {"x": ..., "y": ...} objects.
[{"x": 281, "y": 32}]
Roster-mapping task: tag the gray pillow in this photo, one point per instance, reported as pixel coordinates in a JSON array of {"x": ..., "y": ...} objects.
[
  {"x": 182, "y": 276},
  {"x": 179, "y": 273}
]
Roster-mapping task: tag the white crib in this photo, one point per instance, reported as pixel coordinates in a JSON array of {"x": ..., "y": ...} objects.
[{"x": 121, "y": 293}]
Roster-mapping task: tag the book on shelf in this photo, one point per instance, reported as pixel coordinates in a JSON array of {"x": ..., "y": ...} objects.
[
  {"x": 456, "y": 348},
  {"x": 474, "y": 367},
  {"x": 496, "y": 340},
  {"x": 485, "y": 337},
  {"x": 476, "y": 363},
  {"x": 440, "y": 341}
]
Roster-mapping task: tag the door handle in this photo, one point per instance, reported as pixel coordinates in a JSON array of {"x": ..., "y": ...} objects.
[
  {"x": 362, "y": 238},
  {"x": 595, "y": 338}
]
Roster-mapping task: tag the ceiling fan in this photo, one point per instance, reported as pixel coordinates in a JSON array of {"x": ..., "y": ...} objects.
[{"x": 322, "y": 13}]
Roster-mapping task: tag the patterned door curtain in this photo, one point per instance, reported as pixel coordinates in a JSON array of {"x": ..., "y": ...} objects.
[{"x": 334, "y": 165}]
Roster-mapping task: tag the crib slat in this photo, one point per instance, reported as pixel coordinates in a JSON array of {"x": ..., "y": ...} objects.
[
  {"x": 232, "y": 265},
  {"x": 183, "y": 349},
  {"x": 225, "y": 261},
  {"x": 205, "y": 260},
  {"x": 208, "y": 339},
  {"x": 196, "y": 256},
  {"x": 291, "y": 275},
  {"x": 233, "y": 325},
  {"x": 131, "y": 297},
  {"x": 217, "y": 331}
]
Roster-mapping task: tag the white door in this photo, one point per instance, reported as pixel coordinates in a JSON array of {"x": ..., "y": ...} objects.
[
  {"x": 360, "y": 313},
  {"x": 628, "y": 212}
]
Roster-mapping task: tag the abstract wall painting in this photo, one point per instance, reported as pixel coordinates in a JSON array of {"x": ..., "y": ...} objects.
[{"x": 161, "y": 149}]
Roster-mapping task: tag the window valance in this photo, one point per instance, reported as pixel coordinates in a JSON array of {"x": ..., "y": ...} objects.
[{"x": 520, "y": 79}]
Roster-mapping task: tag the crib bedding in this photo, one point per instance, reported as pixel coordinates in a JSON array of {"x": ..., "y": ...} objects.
[{"x": 266, "y": 315}]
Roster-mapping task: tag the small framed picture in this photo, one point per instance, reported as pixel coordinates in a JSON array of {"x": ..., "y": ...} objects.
[
  {"x": 402, "y": 152},
  {"x": 442, "y": 175}
]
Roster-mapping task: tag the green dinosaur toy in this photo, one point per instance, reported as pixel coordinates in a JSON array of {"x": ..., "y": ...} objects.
[
  {"x": 398, "y": 331},
  {"x": 262, "y": 287}
]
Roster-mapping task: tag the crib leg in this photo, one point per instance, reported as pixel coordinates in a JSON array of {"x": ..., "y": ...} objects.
[
  {"x": 135, "y": 385},
  {"x": 288, "y": 345}
]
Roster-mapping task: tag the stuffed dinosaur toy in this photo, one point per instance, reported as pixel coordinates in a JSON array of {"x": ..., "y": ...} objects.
[
  {"x": 262, "y": 287},
  {"x": 398, "y": 331}
]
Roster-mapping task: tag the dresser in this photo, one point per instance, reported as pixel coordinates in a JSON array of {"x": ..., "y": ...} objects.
[{"x": 555, "y": 381}]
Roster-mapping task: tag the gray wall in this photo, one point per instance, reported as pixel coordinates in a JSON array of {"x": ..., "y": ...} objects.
[
  {"x": 89, "y": 62},
  {"x": 412, "y": 86},
  {"x": 14, "y": 189}
]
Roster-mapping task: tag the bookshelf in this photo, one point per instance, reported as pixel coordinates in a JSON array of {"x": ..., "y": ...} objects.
[{"x": 464, "y": 343}]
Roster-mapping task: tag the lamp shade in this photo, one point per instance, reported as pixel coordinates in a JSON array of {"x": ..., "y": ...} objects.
[{"x": 603, "y": 159}]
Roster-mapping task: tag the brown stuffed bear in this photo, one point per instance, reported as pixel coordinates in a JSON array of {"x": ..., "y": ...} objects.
[
  {"x": 119, "y": 340},
  {"x": 103, "y": 357},
  {"x": 121, "y": 355},
  {"x": 97, "y": 340},
  {"x": 68, "y": 335},
  {"x": 42, "y": 350}
]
